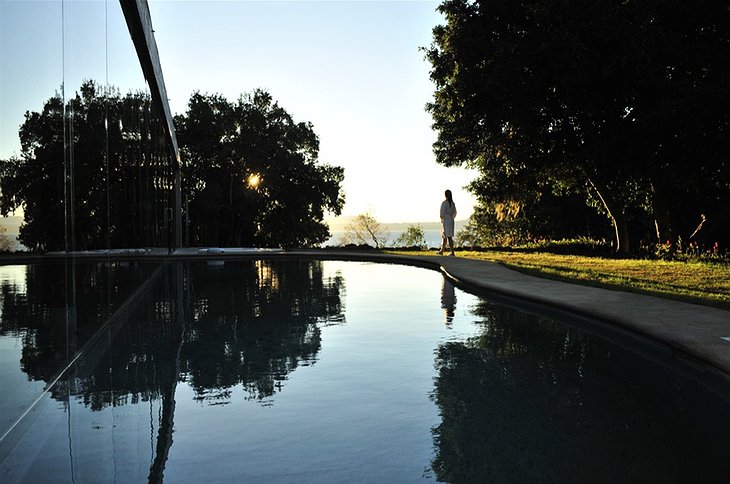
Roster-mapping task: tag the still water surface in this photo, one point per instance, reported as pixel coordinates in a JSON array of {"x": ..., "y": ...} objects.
[{"x": 309, "y": 371}]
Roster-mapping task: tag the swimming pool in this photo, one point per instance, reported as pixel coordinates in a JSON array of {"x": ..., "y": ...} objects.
[{"x": 326, "y": 371}]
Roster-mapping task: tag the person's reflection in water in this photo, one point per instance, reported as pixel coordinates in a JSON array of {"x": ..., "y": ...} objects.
[{"x": 448, "y": 301}]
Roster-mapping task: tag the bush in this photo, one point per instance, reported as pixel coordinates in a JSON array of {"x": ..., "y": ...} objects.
[
  {"x": 693, "y": 251},
  {"x": 412, "y": 237}
]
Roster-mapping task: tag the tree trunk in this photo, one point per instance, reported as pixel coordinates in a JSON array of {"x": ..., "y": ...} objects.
[
  {"x": 622, "y": 232},
  {"x": 620, "y": 225},
  {"x": 662, "y": 217},
  {"x": 664, "y": 233}
]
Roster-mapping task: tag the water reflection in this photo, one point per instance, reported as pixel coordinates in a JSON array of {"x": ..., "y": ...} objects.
[
  {"x": 49, "y": 311},
  {"x": 448, "y": 300},
  {"x": 59, "y": 305},
  {"x": 515, "y": 398},
  {"x": 246, "y": 324},
  {"x": 254, "y": 323},
  {"x": 533, "y": 400}
]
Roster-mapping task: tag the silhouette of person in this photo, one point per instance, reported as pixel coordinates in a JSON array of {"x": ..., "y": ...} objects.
[
  {"x": 448, "y": 214},
  {"x": 448, "y": 300}
]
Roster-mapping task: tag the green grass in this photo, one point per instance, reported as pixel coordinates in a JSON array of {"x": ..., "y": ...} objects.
[{"x": 697, "y": 282}]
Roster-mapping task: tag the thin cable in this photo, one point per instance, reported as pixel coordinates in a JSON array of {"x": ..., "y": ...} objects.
[
  {"x": 106, "y": 120},
  {"x": 152, "y": 432},
  {"x": 113, "y": 403},
  {"x": 72, "y": 188},
  {"x": 65, "y": 241},
  {"x": 63, "y": 122},
  {"x": 68, "y": 427}
]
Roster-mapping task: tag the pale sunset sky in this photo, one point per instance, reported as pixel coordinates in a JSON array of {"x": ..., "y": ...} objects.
[{"x": 353, "y": 69}]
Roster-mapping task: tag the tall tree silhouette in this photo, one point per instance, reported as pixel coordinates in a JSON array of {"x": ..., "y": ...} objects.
[
  {"x": 252, "y": 174},
  {"x": 623, "y": 102},
  {"x": 92, "y": 171}
]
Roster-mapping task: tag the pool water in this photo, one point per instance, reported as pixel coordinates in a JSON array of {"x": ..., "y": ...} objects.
[{"x": 326, "y": 371}]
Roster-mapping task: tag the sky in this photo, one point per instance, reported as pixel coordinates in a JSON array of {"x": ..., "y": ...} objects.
[{"x": 352, "y": 69}]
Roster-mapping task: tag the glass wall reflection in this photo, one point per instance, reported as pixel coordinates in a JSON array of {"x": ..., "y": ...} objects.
[
  {"x": 42, "y": 327},
  {"x": 84, "y": 162},
  {"x": 213, "y": 327}
]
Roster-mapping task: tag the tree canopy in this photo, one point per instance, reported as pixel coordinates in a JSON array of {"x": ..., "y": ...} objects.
[
  {"x": 413, "y": 236},
  {"x": 365, "y": 229},
  {"x": 93, "y": 173},
  {"x": 252, "y": 174},
  {"x": 623, "y": 104}
]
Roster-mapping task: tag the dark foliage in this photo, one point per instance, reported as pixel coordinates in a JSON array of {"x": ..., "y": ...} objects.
[
  {"x": 225, "y": 144},
  {"x": 622, "y": 103},
  {"x": 94, "y": 172}
]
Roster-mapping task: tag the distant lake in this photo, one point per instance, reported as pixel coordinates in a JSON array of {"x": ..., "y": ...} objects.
[
  {"x": 12, "y": 225},
  {"x": 431, "y": 232}
]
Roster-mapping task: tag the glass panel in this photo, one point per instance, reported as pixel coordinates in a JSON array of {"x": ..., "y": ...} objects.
[
  {"x": 93, "y": 171},
  {"x": 42, "y": 329}
]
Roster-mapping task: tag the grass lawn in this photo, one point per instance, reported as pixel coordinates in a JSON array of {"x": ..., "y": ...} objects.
[{"x": 698, "y": 282}]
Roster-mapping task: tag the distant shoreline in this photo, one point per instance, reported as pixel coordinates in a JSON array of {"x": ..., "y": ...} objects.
[
  {"x": 338, "y": 224},
  {"x": 431, "y": 232},
  {"x": 12, "y": 224}
]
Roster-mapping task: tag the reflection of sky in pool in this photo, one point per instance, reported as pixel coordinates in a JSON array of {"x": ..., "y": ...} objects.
[{"x": 306, "y": 371}]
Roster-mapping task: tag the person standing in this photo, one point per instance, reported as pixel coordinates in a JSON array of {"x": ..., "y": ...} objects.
[{"x": 448, "y": 214}]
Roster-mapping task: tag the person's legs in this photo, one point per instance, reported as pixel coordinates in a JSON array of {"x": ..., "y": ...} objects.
[
  {"x": 451, "y": 245},
  {"x": 443, "y": 245}
]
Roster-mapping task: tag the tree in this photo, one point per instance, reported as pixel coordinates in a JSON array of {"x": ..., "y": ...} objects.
[
  {"x": 92, "y": 173},
  {"x": 532, "y": 216},
  {"x": 610, "y": 99},
  {"x": 252, "y": 174},
  {"x": 36, "y": 179},
  {"x": 365, "y": 229},
  {"x": 413, "y": 236}
]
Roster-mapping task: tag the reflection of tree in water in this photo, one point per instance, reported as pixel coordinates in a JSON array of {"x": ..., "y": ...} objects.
[
  {"x": 138, "y": 363},
  {"x": 51, "y": 321},
  {"x": 533, "y": 400},
  {"x": 253, "y": 323},
  {"x": 249, "y": 322}
]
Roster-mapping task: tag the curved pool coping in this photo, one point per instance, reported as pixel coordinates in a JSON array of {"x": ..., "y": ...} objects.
[{"x": 696, "y": 337}]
